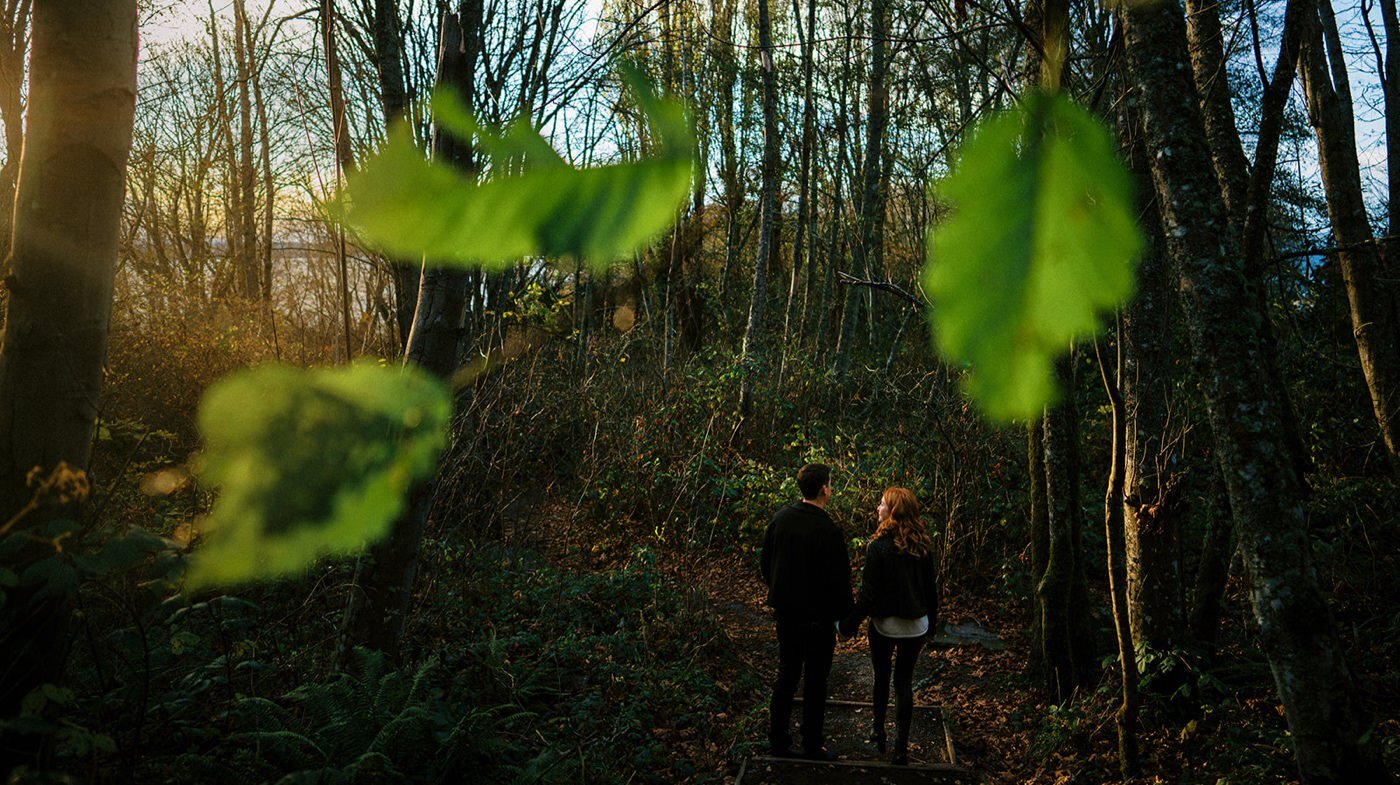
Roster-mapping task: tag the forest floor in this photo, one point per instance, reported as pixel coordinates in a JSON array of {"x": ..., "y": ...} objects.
[
  {"x": 980, "y": 690},
  {"x": 1001, "y": 727}
]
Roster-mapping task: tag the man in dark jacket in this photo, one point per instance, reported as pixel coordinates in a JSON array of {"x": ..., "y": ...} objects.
[{"x": 809, "y": 589}]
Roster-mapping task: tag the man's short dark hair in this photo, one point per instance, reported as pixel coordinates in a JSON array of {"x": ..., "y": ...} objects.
[{"x": 812, "y": 478}]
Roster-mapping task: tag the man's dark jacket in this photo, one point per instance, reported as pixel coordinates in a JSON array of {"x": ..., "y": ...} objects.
[
  {"x": 895, "y": 584},
  {"x": 806, "y": 566}
]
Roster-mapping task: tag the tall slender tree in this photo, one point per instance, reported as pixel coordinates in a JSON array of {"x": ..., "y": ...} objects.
[
  {"x": 382, "y": 595},
  {"x": 751, "y": 353},
  {"x": 62, "y": 263}
]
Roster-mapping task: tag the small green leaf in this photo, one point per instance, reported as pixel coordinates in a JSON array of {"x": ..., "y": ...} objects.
[
  {"x": 310, "y": 463},
  {"x": 1041, "y": 240},
  {"x": 411, "y": 207}
]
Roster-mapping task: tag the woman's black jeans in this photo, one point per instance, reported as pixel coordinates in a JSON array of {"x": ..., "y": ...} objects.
[{"x": 904, "y": 652}]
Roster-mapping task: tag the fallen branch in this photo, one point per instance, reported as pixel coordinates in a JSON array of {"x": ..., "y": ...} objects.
[{"x": 846, "y": 279}]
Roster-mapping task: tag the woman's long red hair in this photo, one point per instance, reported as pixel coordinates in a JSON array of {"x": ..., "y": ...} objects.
[{"x": 904, "y": 522}]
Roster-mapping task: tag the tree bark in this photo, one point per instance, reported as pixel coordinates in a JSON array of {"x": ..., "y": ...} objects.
[
  {"x": 752, "y": 350},
  {"x": 1039, "y": 530},
  {"x": 249, "y": 268},
  {"x": 1066, "y": 628},
  {"x": 1208, "y": 62},
  {"x": 382, "y": 595},
  {"x": 1114, "y": 536},
  {"x": 1153, "y": 512},
  {"x": 1213, "y": 569},
  {"x": 792, "y": 324},
  {"x": 393, "y": 100},
  {"x": 1374, "y": 318},
  {"x": 1329, "y": 732},
  {"x": 62, "y": 261},
  {"x": 344, "y": 161},
  {"x": 14, "y": 43}
]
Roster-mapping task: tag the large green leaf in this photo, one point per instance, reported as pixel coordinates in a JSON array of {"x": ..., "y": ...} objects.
[
  {"x": 411, "y": 207},
  {"x": 1041, "y": 240},
  {"x": 310, "y": 463}
]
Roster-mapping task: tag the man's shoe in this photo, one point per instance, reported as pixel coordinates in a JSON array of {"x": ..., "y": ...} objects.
[
  {"x": 900, "y": 758},
  {"x": 822, "y": 755}
]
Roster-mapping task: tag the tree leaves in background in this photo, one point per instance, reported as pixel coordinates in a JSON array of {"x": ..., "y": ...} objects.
[
  {"x": 310, "y": 463},
  {"x": 410, "y": 207},
  {"x": 1042, "y": 238}
]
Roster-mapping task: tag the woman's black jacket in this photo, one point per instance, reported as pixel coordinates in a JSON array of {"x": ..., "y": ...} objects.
[{"x": 894, "y": 584}]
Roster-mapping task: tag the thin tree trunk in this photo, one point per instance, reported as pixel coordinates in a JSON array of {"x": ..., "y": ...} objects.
[
  {"x": 1329, "y": 732},
  {"x": 1213, "y": 569},
  {"x": 382, "y": 596},
  {"x": 1066, "y": 628},
  {"x": 1039, "y": 531},
  {"x": 1391, "y": 85},
  {"x": 66, "y": 227},
  {"x": 344, "y": 161},
  {"x": 388, "y": 49},
  {"x": 791, "y": 327},
  {"x": 14, "y": 43},
  {"x": 809, "y": 172},
  {"x": 753, "y": 332},
  {"x": 1374, "y": 318},
  {"x": 1126, "y": 717},
  {"x": 1153, "y": 512},
  {"x": 248, "y": 262},
  {"x": 1208, "y": 65}
]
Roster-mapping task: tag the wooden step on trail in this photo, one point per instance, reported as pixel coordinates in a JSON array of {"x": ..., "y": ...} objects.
[{"x": 932, "y": 756}]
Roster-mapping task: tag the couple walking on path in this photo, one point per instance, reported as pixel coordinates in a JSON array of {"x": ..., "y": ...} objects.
[{"x": 808, "y": 574}]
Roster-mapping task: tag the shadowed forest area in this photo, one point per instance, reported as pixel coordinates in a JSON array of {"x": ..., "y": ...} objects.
[{"x": 396, "y": 391}]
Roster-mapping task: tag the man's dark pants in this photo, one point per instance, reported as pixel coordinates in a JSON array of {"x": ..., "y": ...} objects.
[{"x": 802, "y": 646}]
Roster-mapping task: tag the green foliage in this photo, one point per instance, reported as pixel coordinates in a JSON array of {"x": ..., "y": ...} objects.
[
  {"x": 1042, "y": 238},
  {"x": 412, "y": 207},
  {"x": 311, "y": 463}
]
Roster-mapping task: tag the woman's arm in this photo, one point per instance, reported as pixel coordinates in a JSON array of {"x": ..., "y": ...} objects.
[{"x": 870, "y": 576}]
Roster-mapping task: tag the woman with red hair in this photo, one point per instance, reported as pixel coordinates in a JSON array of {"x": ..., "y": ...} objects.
[{"x": 899, "y": 593}]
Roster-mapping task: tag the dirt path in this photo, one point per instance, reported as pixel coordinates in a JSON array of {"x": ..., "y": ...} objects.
[{"x": 983, "y": 692}]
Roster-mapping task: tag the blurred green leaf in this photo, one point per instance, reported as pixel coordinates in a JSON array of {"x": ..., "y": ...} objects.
[
  {"x": 310, "y": 463},
  {"x": 534, "y": 204},
  {"x": 1042, "y": 238}
]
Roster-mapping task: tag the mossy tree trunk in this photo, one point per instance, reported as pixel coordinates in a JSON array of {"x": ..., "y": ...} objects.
[{"x": 1331, "y": 736}]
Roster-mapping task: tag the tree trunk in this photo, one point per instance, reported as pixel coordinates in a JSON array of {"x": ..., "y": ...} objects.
[
  {"x": 14, "y": 43},
  {"x": 382, "y": 596},
  {"x": 1066, "y": 628},
  {"x": 1374, "y": 318},
  {"x": 792, "y": 324},
  {"x": 1208, "y": 61},
  {"x": 1153, "y": 512},
  {"x": 1126, "y": 717},
  {"x": 344, "y": 161},
  {"x": 1330, "y": 735},
  {"x": 62, "y": 262},
  {"x": 752, "y": 350},
  {"x": 393, "y": 99},
  {"x": 1391, "y": 85},
  {"x": 1213, "y": 570},
  {"x": 808, "y": 212},
  {"x": 1039, "y": 531},
  {"x": 248, "y": 263}
]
